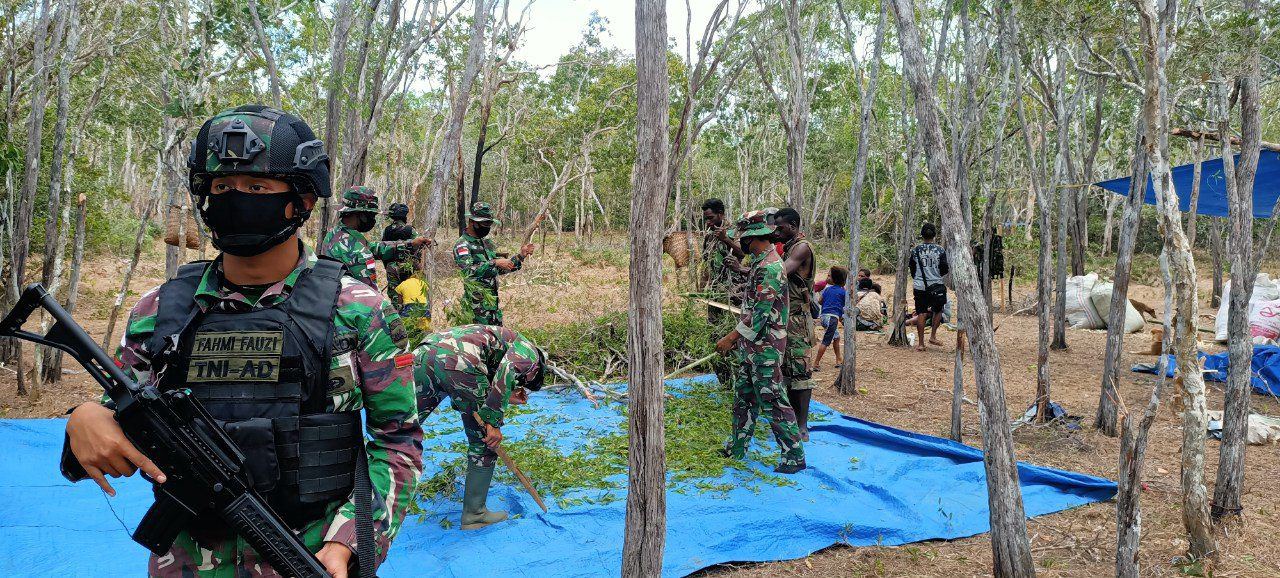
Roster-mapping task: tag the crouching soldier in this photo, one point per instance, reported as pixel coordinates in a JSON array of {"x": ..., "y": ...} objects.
[
  {"x": 483, "y": 369},
  {"x": 282, "y": 348},
  {"x": 761, "y": 337}
]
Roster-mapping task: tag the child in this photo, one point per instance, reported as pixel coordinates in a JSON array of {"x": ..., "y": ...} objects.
[{"x": 833, "y": 299}]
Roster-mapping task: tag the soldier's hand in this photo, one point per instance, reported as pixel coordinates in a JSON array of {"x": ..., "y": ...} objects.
[
  {"x": 504, "y": 264},
  {"x": 102, "y": 449},
  {"x": 526, "y": 250},
  {"x": 520, "y": 396},
  {"x": 726, "y": 343},
  {"x": 421, "y": 241},
  {"x": 336, "y": 557},
  {"x": 492, "y": 436}
]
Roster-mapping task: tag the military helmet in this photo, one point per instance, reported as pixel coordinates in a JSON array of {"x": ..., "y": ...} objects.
[
  {"x": 260, "y": 141},
  {"x": 756, "y": 224},
  {"x": 359, "y": 199},
  {"x": 398, "y": 211},
  {"x": 481, "y": 212}
]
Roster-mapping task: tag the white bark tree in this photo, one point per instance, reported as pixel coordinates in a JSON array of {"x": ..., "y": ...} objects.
[
  {"x": 646, "y": 522},
  {"x": 1010, "y": 548}
]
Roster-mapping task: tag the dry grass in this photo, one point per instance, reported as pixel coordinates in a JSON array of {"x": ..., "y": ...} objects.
[{"x": 904, "y": 389}]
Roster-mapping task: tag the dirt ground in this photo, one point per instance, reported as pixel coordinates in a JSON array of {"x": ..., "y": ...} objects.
[{"x": 904, "y": 389}]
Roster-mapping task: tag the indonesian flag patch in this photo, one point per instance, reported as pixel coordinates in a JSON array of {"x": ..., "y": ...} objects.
[
  {"x": 404, "y": 360},
  {"x": 463, "y": 250}
]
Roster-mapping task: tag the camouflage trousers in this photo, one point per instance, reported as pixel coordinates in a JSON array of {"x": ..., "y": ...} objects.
[
  {"x": 431, "y": 393},
  {"x": 228, "y": 557},
  {"x": 483, "y": 305},
  {"x": 796, "y": 373},
  {"x": 758, "y": 390}
]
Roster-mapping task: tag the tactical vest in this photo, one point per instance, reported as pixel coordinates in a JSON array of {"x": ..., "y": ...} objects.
[{"x": 264, "y": 375}]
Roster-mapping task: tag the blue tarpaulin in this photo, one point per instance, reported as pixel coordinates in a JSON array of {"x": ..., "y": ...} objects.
[
  {"x": 866, "y": 484},
  {"x": 1266, "y": 368},
  {"x": 1213, "y": 188}
]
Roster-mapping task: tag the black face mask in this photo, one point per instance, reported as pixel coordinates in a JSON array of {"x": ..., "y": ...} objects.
[
  {"x": 366, "y": 222},
  {"x": 482, "y": 230},
  {"x": 246, "y": 224}
]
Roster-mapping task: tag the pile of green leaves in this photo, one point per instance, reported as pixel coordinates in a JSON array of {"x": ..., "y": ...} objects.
[
  {"x": 697, "y": 423},
  {"x": 597, "y": 349}
]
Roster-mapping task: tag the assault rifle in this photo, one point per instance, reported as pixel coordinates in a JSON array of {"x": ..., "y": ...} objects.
[{"x": 204, "y": 468}]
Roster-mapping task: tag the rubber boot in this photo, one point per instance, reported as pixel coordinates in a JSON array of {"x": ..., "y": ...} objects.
[{"x": 474, "y": 494}]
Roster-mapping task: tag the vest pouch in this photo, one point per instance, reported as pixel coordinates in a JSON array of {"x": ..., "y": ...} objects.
[
  {"x": 327, "y": 446},
  {"x": 257, "y": 441}
]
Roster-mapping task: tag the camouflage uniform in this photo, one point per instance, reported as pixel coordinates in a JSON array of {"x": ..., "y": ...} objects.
[
  {"x": 403, "y": 268},
  {"x": 478, "y": 367},
  {"x": 796, "y": 372},
  {"x": 475, "y": 259},
  {"x": 758, "y": 386},
  {"x": 385, "y": 392},
  {"x": 352, "y": 247}
]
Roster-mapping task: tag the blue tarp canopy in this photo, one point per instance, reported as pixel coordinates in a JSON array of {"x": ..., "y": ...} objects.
[
  {"x": 1265, "y": 368},
  {"x": 866, "y": 484},
  {"x": 1213, "y": 188}
]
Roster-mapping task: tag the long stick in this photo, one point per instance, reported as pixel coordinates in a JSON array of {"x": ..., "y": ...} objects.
[
  {"x": 511, "y": 465},
  {"x": 690, "y": 366}
]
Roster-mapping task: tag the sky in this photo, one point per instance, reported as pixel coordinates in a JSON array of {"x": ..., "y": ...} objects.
[{"x": 556, "y": 25}]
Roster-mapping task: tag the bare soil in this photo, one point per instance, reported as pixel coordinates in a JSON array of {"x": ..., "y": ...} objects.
[{"x": 903, "y": 388}]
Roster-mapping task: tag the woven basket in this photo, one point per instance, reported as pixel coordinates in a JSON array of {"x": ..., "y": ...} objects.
[
  {"x": 677, "y": 245},
  {"x": 171, "y": 229}
]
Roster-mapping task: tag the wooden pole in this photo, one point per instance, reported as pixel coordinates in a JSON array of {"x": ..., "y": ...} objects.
[{"x": 511, "y": 465}]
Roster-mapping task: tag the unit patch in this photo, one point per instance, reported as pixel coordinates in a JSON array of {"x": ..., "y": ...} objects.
[{"x": 235, "y": 356}]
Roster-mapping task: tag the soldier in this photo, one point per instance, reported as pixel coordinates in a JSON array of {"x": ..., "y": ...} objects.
[
  {"x": 280, "y": 346},
  {"x": 400, "y": 269},
  {"x": 797, "y": 258},
  {"x": 761, "y": 336},
  {"x": 346, "y": 241},
  {"x": 480, "y": 266},
  {"x": 482, "y": 368},
  {"x": 722, "y": 276}
]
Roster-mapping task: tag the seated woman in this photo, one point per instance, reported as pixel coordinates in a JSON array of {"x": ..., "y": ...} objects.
[{"x": 872, "y": 311}]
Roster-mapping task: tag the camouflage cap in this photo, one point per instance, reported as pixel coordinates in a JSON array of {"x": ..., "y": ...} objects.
[
  {"x": 359, "y": 199},
  {"x": 481, "y": 212},
  {"x": 755, "y": 224}
]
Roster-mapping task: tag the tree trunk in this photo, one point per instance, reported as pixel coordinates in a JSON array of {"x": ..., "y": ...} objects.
[
  {"x": 957, "y": 390},
  {"x": 21, "y": 233},
  {"x": 334, "y": 99},
  {"x": 1044, "y": 292},
  {"x": 457, "y": 113},
  {"x": 1230, "y": 479},
  {"x": 646, "y": 521},
  {"x": 1010, "y": 548},
  {"x": 1108, "y": 228},
  {"x": 1197, "y": 151},
  {"x": 848, "y": 371},
  {"x": 128, "y": 274},
  {"x": 273, "y": 75},
  {"x": 1105, "y": 420},
  {"x": 1156, "y": 32},
  {"x": 906, "y": 222},
  {"x": 1216, "y": 250}
]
